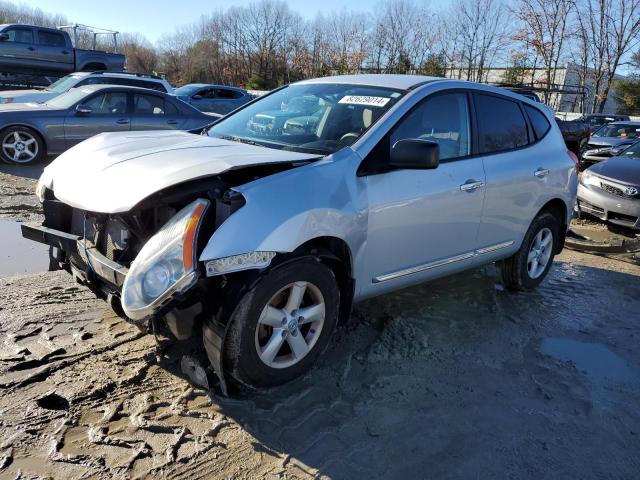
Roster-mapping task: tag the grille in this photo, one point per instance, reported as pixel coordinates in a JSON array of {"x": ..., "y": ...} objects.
[{"x": 615, "y": 190}]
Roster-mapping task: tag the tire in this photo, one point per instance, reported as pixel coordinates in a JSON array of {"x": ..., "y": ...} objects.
[
  {"x": 516, "y": 271},
  {"x": 21, "y": 146},
  {"x": 254, "y": 327}
]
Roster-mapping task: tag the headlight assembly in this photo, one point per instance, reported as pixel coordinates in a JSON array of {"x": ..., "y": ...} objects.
[
  {"x": 590, "y": 179},
  {"x": 165, "y": 265}
]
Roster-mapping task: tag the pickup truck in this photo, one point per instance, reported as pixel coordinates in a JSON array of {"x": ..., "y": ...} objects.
[{"x": 34, "y": 50}]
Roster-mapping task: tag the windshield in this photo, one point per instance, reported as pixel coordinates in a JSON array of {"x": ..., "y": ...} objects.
[
  {"x": 314, "y": 118},
  {"x": 69, "y": 98},
  {"x": 186, "y": 91},
  {"x": 618, "y": 130},
  {"x": 632, "y": 151},
  {"x": 64, "y": 84}
]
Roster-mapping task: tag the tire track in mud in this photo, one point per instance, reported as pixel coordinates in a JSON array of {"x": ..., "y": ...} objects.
[{"x": 431, "y": 381}]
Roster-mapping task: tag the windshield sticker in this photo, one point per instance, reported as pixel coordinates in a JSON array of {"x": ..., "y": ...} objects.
[{"x": 364, "y": 100}]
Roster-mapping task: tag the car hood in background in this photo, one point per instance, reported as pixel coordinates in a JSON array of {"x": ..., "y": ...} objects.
[
  {"x": 24, "y": 96},
  {"x": 24, "y": 107},
  {"x": 113, "y": 172},
  {"x": 621, "y": 169},
  {"x": 601, "y": 142}
]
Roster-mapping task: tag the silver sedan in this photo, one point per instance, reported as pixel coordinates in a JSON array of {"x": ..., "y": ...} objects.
[{"x": 29, "y": 132}]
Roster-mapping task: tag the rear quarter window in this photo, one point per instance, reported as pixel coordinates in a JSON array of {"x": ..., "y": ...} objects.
[
  {"x": 538, "y": 120},
  {"x": 51, "y": 39},
  {"x": 501, "y": 124}
]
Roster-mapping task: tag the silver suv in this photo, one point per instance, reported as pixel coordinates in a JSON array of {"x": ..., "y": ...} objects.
[
  {"x": 82, "y": 79},
  {"x": 262, "y": 236}
]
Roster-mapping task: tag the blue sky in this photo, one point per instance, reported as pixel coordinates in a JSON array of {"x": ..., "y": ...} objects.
[{"x": 154, "y": 18}]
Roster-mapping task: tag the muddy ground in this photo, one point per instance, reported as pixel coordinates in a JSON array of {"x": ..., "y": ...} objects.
[{"x": 454, "y": 379}]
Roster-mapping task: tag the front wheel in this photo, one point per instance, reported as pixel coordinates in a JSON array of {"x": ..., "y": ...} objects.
[
  {"x": 21, "y": 145},
  {"x": 281, "y": 325},
  {"x": 526, "y": 269}
]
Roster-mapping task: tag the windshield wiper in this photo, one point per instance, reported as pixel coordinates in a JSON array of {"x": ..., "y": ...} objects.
[{"x": 239, "y": 139}]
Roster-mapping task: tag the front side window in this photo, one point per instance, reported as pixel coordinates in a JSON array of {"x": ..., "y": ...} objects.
[
  {"x": 444, "y": 119},
  {"x": 51, "y": 39},
  {"x": 501, "y": 124},
  {"x": 618, "y": 130},
  {"x": 315, "y": 118},
  {"x": 112, "y": 103},
  {"x": 19, "y": 35}
]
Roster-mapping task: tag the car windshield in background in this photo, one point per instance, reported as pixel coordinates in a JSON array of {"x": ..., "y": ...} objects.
[
  {"x": 186, "y": 91},
  {"x": 64, "y": 84},
  {"x": 313, "y": 118},
  {"x": 618, "y": 131},
  {"x": 632, "y": 151},
  {"x": 69, "y": 98}
]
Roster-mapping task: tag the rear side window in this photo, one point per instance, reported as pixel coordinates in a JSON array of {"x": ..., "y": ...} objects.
[
  {"x": 501, "y": 124},
  {"x": 225, "y": 93},
  {"x": 51, "y": 39},
  {"x": 538, "y": 121},
  {"x": 152, "y": 105}
]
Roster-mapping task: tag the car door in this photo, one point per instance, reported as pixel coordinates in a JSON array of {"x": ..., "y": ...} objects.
[
  {"x": 424, "y": 223},
  {"x": 516, "y": 175},
  {"x": 18, "y": 49},
  {"x": 155, "y": 112},
  {"x": 227, "y": 100},
  {"x": 204, "y": 99},
  {"x": 53, "y": 51},
  {"x": 101, "y": 112}
]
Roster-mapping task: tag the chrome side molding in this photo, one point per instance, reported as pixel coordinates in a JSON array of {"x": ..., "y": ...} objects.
[{"x": 440, "y": 263}]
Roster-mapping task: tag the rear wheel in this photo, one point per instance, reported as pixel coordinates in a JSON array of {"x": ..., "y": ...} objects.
[
  {"x": 526, "y": 269},
  {"x": 281, "y": 325},
  {"x": 21, "y": 145}
]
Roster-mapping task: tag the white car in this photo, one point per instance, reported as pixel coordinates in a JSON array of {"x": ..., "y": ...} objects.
[{"x": 82, "y": 79}]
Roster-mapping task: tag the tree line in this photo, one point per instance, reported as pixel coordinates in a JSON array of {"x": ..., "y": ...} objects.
[{"x": 267, "y": 43}]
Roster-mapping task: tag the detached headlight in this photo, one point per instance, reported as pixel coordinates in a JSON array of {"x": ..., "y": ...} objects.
[
  {"x": 589, "y": 179},
  {"x": 237, "y": 263},
  {"x": 166, "y": 264}
]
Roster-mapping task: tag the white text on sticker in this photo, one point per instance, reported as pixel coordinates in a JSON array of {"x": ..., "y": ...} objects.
[{"x": 364, "y": 100}]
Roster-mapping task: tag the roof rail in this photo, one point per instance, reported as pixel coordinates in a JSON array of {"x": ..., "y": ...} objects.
[{"x": 124, "y": 72}]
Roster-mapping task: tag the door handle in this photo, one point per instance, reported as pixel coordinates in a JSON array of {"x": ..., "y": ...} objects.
[
  {"x": 541, "y": 172},
  {"x": 65, "y": 52},
  {"x": 122, "y": 121},
  {"x": 172, "y": 122},
  {"x": 471, "y": 185},
  {"x": 31, "y": 49}
]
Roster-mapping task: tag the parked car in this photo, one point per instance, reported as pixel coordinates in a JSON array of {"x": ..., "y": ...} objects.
[
  {"x": 31, "y": 131},
  {"x": 213, "y": 98},
  {"x": 39, "y": 50},
  {"x": 596, "y": 120},
  {"x": 610, "y": 190},
  {"x": 262, "y": 240},
  {"x": 611, "y": 135},
  {"x": 576, "y": 135},
  {"x": 82, "y": 79}
]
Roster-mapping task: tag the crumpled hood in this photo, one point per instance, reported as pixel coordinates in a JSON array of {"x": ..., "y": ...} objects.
[
  {"x": 622, "y": 169},
  {"x": 112, "y": 172},
  {"x": 601, "y": 142}
]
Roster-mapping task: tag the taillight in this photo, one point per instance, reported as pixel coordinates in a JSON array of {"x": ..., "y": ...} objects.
[{"x": 575, "y": 159}]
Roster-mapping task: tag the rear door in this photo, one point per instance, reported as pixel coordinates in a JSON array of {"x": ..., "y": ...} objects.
[
  {"x": 109, "y": 113},
  {"x": 516, "y": 174},
  {"x": 53, "y": 51},
  {"x": 19, "y": 52},
  {"x": 155, "y": 112}
]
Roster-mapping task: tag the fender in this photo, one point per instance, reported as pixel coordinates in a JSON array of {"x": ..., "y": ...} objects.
[{"x": 328, "y": 201}]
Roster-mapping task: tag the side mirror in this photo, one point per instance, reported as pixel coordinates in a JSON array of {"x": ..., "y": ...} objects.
[
  {"x": 83, "y": 110},
  {"x": 196, "y": 97},
  {"x": 4, "y": 37},
  {"x": 415, "y": 153}
]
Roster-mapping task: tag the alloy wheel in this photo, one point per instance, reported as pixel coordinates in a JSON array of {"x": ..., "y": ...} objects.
[
  {"x": 20, "y": 147},
  {"x": 290, "y": 325},
  {"x": 540, "y": 253}
]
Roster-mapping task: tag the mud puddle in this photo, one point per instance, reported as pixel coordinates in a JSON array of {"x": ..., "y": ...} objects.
[
  {"x": 19, "y": 255},
  {"x": 593, "y": 359}
]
